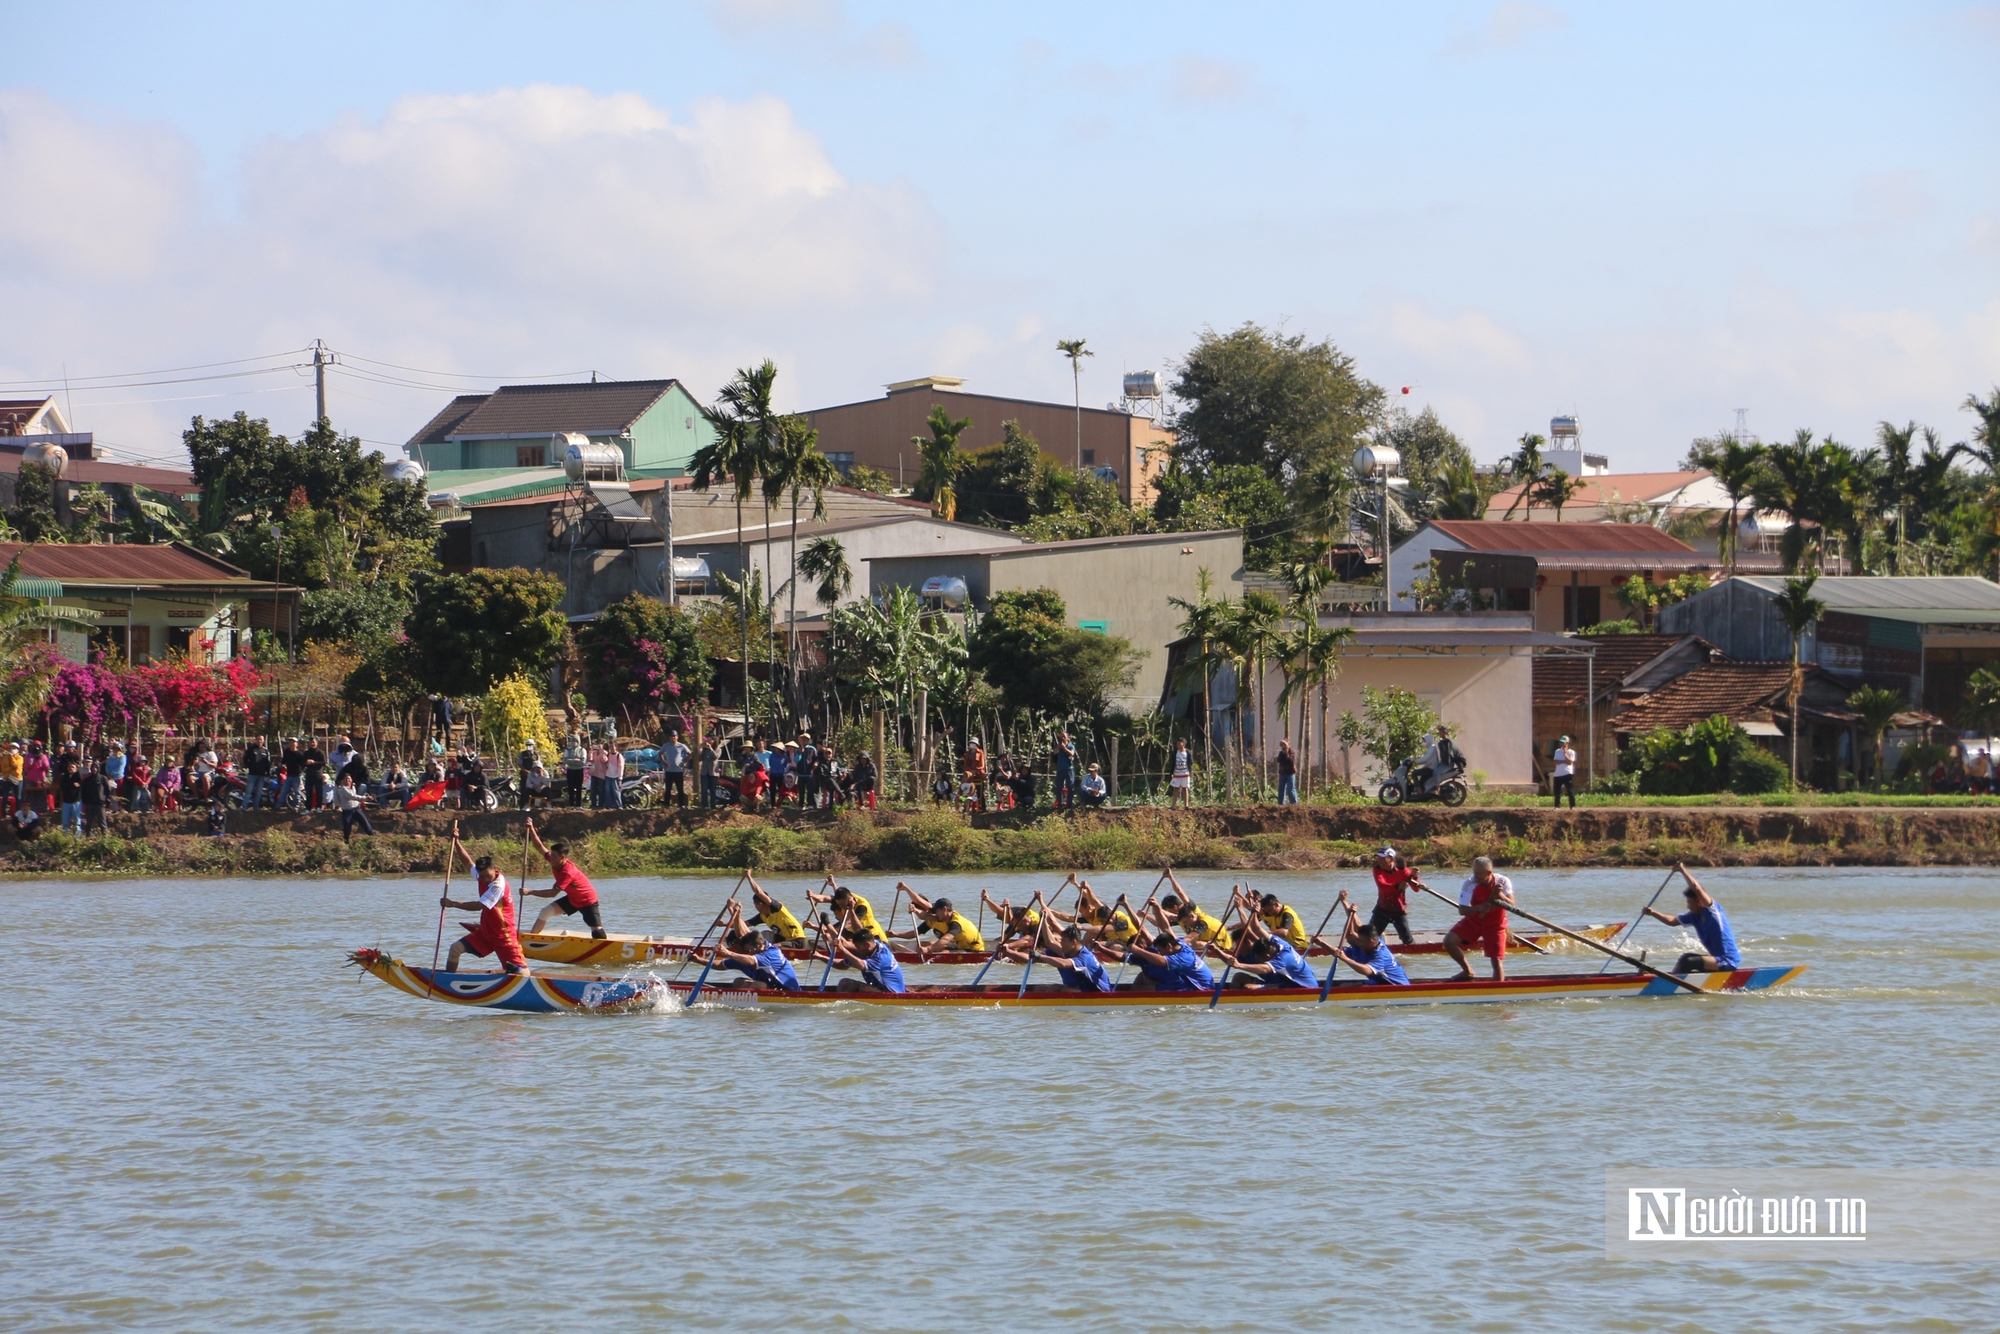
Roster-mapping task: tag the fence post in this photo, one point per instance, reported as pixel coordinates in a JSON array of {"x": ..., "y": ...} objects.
[
  {"x": 1111, "y": 798},
  {"x": 881, "y": 756}
]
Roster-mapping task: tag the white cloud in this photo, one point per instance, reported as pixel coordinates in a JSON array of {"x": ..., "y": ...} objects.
[
  {"x": 523, "y": 230},
  {"x": 1509, "y": 23}
]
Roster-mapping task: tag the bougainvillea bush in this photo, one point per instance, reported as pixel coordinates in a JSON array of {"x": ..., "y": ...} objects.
[{"x": 641, "y": 659}]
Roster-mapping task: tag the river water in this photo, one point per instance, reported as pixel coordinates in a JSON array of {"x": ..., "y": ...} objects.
[{"x": 210, "y": 1125}]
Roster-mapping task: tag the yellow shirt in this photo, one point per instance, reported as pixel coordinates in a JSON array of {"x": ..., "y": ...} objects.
[
  {"x": 780, "y": 920},
  {"x": 1025, "y": 924},
  {"x": 962, "y": 934},
  {"x": 1120, "y": 929},
  {"x": 12, "y": 766},
  {"x": 1208, "y": 930},
  {"x": 864, "y": 915},
  {"x": 1286, "y": 923}
]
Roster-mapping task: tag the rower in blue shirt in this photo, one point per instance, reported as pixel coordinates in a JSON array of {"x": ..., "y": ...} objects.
[
  {"x": 1362, "y": 946},
  {"x": 1267, "y": 959},
  {"x": 757, "y": 954},
  {"x": 1171, "y": 964},
  {"x": 864, "y": 950},
  {"x": 1079, "y": 969},
  {"x": 1704, "y": 914}
]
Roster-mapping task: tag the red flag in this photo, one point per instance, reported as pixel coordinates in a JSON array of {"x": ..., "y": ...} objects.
[{"x": 430, "y": 794}]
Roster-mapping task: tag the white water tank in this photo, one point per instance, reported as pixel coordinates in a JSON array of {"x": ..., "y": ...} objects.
[
  {"x": 1142, "y": 384},
  {"x": 948, "y": 591},
  {"x": 1564, "y": 428},
  {"x": 582, "y": 457},
  {"x": 403, "y": 470},
  {"x": 1372, "y": 459},
  {"x": 53, "y": 457}
]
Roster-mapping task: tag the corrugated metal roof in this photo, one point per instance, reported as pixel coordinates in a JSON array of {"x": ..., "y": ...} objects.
[
  {"x": 1533, "y": 539},
  {"x": 1880, "y": 595},
  {"x": 28, "y": 587},
  {"x": 606, "y": 407},
  {"x": 80, "y": 563}
]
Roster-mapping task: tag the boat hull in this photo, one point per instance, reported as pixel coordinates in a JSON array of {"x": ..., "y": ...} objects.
[
  {"x": 545, "y": 994},
  {"x": 575, "y": 948}
]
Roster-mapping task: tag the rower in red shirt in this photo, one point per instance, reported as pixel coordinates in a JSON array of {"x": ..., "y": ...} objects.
[
  {"x": 1483, "y": 898},
  {"x": 495, "y": 906},
  {"x": 1393, "y": 878},
  {"x": 572, "y": 890}
]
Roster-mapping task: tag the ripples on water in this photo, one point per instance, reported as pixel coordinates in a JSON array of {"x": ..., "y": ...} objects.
[{"x": 210, "y": 1125}]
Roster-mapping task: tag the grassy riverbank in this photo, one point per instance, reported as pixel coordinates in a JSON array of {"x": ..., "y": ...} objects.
[{"x": 1242, "y": 838}]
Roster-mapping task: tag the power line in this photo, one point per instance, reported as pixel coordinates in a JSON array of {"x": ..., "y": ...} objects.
[
  {"x": 458, "y": 375},
  {"x": 169, "y": 370}
]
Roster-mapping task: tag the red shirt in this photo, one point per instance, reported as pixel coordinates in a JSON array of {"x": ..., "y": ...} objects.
[
  {"x": 576, "y": 885},
  {"x": 1392, "y": 888}
]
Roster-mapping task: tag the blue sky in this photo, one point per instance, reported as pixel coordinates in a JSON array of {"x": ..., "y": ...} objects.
[{"x": 1650, "y": 217}]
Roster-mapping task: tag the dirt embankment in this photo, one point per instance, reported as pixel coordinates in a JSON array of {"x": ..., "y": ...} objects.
[{"x": 1246, "y": 838}]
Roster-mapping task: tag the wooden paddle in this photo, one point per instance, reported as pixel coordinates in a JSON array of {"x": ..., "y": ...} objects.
[
  {"x": 841, "y": 934},
  {"x": 1599, "y": 946},
  {"x": 720, "y": 913},
  {"x": 1520, "y": 940},
  {"x": 450, "y": 856},
  {"x": 1135, "y": 920},
  {"x": 1640, "y": 919}
]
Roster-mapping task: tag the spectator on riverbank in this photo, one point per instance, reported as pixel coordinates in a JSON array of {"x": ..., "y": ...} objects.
[
  {"x": 347, "y": 800},
  {"x": 1065, "y": 771},
  {"x": 862, "y": 780},
  {"x": 115, "y": 765},
  {"x": 256, "y": 766},
  {"x": 1092, "y": 791},
  {"x": 12, "y": 768},
  {"x": 614, "y": 778},
  {"x": 673, "y": 771},
  {"x": 1180, "y": 787},
  {"x": 96, "y": 792},
  {"x": 69, "y": 789},
  {"x": 576, "y": 767},
  {"x": 710, "y": 791},
  {"x": 1288, "y": 775}
]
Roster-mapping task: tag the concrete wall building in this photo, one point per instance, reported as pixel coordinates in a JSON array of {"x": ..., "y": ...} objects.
[
  {"x": 150, "y": 600},
  {"x": 877, "y": 432},
  {"x": 1922, "y": 636},
  {"x": 1562, "y": 574},
  {"x": 1113, "y": 585}
]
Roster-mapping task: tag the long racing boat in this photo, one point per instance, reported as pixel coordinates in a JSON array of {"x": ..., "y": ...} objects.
[
  {"x": 545, "y": 993},
  {"x": 572, "y": 947}
]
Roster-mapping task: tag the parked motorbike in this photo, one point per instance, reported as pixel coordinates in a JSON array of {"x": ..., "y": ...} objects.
[{"x": 1445, "y": 783}]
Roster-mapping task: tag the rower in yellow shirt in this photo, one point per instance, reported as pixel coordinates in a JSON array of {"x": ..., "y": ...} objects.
[
  {"x": 845, "y": 903},
  {"x": 775, "y": 915},
  {"x": 1203, "y": 928},
  {"x": 949, "y": 928},
  {"x": 1099, "y": 921},
  {"x": 1283, "y": 921},
  {"x": 1022, "y": 923}
]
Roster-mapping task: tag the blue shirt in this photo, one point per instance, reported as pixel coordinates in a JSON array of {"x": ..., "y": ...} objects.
[
  {"x": 779, "y": 763},
  {"x": 1188, "y": 971},
  {"x": 775, "y": 970},
  {"x": 1716, "y": 937},
  {"x": 883, "y": 969},
  {"x": 1387, "y": 970},
  {"x": 1287, "y": 966},
  {"x": 114, "y": 766},
  {"x": 1084, "y": 973}
]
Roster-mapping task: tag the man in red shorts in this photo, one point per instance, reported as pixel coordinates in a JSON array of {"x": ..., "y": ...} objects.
[
  {"x": 495, "y": 906},
  {"x": 572, "y": 891},
  {"x": 1483, "y": 899},
  {"x": 1393, "y": 878}
]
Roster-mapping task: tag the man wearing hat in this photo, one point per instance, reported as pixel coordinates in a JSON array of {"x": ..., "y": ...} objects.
[
  {"x": 1564, "y": 779},
  {"x": 1091, "y": 792},
  {"x": 1393, "y": 878},
  {"x": 12, "y": 767}
]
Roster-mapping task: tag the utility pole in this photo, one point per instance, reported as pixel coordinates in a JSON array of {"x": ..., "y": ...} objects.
[{"x": 320, "y": 360}]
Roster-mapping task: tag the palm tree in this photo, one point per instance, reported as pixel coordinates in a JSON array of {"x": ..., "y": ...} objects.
[
  {"x": 1526, "y": 466},
  {"x": 798, "y": 467},
  {"x": 1734, "y": 465},
  {"x": 941, "y": 460},
  {"x": 1801, "y": 612},
  {"x": 1874, "y": 709},
  {"x": 1202, "y": 621},
  {"x": 1314, "y": 656},
  {"x": 1459, "y": 493},
  {"x": 1556, "y": 489},
  {"x": 1074, "y": 349},
  {"x": 1260, "y": 621},
  {"x": 740, "y": 451},
  {"x": 1985, "y": 443},
  {"x": 825, "y": 560}
]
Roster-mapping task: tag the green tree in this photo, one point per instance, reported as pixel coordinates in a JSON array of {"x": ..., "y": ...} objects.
[
  {"x": 1875, "y": 708},
  {"x": 1394, "y": 723},
  {"x": 471, "y": 630},
  {"x": 1435, "y": 461},
  {"x": 1735, "y": 465},
  {"x": 1000, "y": 485},
  {"x": 824, "y": 560},
  {"x": 797, "y": 469},
  {"x": 1262, "y": 399},
  {"x": 1557, "y": 489},
  {"x": 745, "y": 424},
  {"x": 1235, "y": 496},
  {"x": 1525, "y": 466},
  {"x": 1980, "y": 707},
  {"x": 1027, "y": 650},
  {"x": 1074, "y": 349},
  {"x": 1800, "y": 611},
  {"x": 641, "y": 657},
  {"x": 942, "y": 462}
]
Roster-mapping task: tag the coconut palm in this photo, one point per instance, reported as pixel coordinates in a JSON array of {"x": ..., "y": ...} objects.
[
  {"x": 1526, "y": 467},
  {"x": 1556, "y": 489},
  {"x": 825, "y": 560},
  {"x": 1074, "y": 349},
  {"x": 742, "y": 418},
  {"x": 1734, "y": 465},
  {"x": 1260, "y": 624},
  {"x": 941, "y": 460},
  {"x": 1801, "y": 612},
  {"x": 1874, "y": 709},
  {"x": 1459, "y": 493},
  {"x": 1201, "y": 621},
  {"x": 798, "y": 467}
]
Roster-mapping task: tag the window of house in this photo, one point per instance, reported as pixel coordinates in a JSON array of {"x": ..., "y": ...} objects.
[
  {"x": 1095, "y": 627},
  {"x": 179, "y": 637},
  {"x": 1089, "y": 457},
  {"x": 1582, "y": 607},
  {"x": 531, "y": 456},
  {"x": 841, "y": 459}
]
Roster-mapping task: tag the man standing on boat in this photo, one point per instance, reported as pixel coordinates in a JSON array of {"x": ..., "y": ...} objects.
[
  {"x": 1483, "y": 898},
  {"x": 572, "y": 891},
  {"x": 775, "y": 916},
  {"x": 1393, "y": 878},
  {"x": 1704, "y": 914},
  {"x": 495, "y": 905}
]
